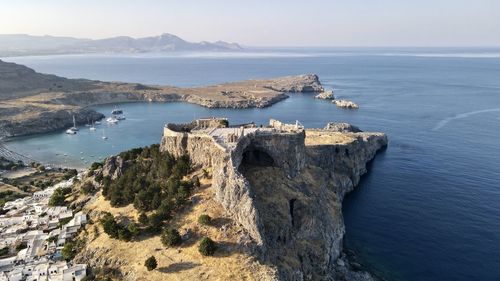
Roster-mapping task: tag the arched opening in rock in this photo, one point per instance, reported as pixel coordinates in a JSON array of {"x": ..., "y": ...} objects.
[{"x": 255, "y": 157}]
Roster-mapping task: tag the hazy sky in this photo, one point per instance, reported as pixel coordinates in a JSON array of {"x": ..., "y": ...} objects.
[{"x": 265, "y": 22}]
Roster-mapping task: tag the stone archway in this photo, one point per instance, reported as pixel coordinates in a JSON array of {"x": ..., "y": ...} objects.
[{"x": 254, "y": 156}]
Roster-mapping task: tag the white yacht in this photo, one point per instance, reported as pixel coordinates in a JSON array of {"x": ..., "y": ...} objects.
[
  {"x": 72, "y": 130},
  {"x": 112, "y": 120},
  {"x": 117, "y": 111}
]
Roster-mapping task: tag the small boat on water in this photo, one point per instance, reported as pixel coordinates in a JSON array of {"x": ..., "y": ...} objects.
[
  {"x": 120, "y": 117},
  {"x": 92, "y": 128},
  {"x": 70, "y": 131},
  {"x": 112, "y": 120},
  {"x": 104, "y": 135},
  {"x": 73, "y": 130},
  {"x": 117, "y": 111}
]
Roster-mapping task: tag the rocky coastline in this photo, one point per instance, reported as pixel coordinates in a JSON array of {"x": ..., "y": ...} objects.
[{"x": 32, "y": 103}]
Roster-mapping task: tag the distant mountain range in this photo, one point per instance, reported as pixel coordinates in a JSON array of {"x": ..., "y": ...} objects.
[{"x": 25, "y": 45}]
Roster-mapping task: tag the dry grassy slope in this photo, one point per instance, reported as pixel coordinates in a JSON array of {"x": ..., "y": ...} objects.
[
  {"x": 17, "y": 81},
  {"x": 184, "y": 262}
]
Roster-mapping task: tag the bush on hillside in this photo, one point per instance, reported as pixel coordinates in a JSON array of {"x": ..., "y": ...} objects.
[
  {"x": 171, "y": 237},
  {"x": 207, "y": 247}
]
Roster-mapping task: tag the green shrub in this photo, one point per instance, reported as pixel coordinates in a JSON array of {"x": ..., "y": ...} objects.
[
  {"x": 143, "y": 219},
  {"x": 134, "y": 229},
  {"x": 207, "y": 246},
  {"x": 151, "y": 263},
  {"x": 109, "y": 225},
  {"x": 95, "y": 166},
  {"x": 171, "y": 237},
  {"x": 68, "y": 251},
  {"x": 88, "y": 188},
  {"x": 57, "y": 198},
  {"x": 204, "y": 219},
  {"x": 155, "y": 223}
]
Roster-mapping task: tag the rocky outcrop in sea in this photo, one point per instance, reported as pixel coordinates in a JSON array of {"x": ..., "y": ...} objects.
[{"x": 345, "y": 104}]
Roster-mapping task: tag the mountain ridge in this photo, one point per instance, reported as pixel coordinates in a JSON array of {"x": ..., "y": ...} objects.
[{"x": 26, "y": 45}]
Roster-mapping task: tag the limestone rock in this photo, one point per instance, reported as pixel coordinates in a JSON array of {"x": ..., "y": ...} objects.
[
  {"x": 326, "y": 95},
  {"x": 297, "y": 84},
  {"x": 342, "y": 127},
  {"x": 345, "y": 104}
]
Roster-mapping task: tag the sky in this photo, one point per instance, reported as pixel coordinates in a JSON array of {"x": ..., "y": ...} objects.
[{"x": 368, "y": 23}]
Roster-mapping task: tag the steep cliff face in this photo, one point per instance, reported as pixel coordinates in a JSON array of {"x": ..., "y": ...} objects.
[{"x": 285, "y": 189}]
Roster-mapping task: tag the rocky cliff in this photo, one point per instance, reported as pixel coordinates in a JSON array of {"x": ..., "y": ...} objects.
[{"x": 285, "y": 188}]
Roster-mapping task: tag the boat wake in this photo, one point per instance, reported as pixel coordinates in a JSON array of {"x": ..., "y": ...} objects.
[{"x": 445, "y": 121}]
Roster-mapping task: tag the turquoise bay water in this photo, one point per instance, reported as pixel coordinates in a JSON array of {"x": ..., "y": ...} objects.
[{"x": 428, "y": 208}]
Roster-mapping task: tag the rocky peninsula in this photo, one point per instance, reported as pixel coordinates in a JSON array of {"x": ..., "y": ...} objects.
[
  {"x": 275, "y": 190},
  {"x": 32, "y": 102}
]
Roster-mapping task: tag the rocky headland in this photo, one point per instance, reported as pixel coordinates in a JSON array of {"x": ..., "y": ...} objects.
[
  {"x": 284, "y": 184},
  {"x": 32, "y": 102},
  {"x": 276, "y": 192}
]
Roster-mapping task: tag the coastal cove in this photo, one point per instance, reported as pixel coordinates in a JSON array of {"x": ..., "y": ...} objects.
[{"x": 427, "y": 208}]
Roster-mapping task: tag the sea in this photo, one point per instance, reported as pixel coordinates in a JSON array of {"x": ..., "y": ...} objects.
[{"x": 429, "y": 207}]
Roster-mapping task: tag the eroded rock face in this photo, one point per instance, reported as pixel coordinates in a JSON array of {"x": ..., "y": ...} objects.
[
  {"x": 113, "y": 167},
  {"x": 285, "y": 189}
]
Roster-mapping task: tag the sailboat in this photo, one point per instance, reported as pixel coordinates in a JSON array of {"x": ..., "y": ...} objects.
[
  {"x": 92, "y": 128},
  {"x": 104, "y": 135},
  {"x": 72, "y": 130}
]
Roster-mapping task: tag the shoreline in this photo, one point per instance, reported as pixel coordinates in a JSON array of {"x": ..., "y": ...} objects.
[{"x": 50, "y": 102}]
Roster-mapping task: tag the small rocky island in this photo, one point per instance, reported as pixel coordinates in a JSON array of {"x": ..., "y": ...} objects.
[
  {"x": 345, "y": 104},
  {"x": 268, "y": 197}
]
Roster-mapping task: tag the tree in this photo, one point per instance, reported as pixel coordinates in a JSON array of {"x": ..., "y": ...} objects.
[
  {"x": 134, "y": 229},
  {"x": 155, "y": 223},
  {"x": 151, "y": 263},
  {"x": 143, "y": 219},
  {"x": 171, "y": 237},
  {"x": 109, "y": 225},
  {"x": 67, "y": 251},
  {"x": 204, "y": 219},
  {"x": 57, "y": 198},
  {"x": 124, "y": 234},
  {"x": 207, "y": 246}
]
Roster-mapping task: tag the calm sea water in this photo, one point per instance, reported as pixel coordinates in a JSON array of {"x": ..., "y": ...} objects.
[{"x": 429, "y": 207}]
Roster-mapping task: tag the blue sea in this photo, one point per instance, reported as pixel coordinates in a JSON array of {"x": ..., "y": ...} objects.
[{"x": 429, "y": 208}]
